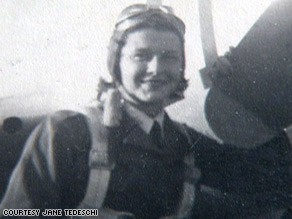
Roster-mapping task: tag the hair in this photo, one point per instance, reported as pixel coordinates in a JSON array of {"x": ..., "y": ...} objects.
[{"x": 119, "y": 37}]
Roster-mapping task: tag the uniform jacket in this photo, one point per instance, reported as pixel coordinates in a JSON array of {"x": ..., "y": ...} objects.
[{"x": 53, "y": 170}]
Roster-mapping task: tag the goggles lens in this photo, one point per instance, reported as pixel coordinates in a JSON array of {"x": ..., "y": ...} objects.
[{"x": 135, "y": 14}]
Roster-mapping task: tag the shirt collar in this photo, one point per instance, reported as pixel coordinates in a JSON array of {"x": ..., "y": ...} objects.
[{"x": 143, "y": 120}]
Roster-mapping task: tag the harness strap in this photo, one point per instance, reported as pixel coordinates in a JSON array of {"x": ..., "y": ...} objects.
[
  {"x": 192, "y": 175},
  {"x": 189, "y": 189},
  {"x": 99, "y": 162}
]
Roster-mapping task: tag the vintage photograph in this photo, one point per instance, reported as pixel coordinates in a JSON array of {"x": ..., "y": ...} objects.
[{"x": 146, "y": 109}]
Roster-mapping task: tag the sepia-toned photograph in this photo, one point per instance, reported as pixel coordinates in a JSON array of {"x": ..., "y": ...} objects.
[{"x": 146, "y": 109}]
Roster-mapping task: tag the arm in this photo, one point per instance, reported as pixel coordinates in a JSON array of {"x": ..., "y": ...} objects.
[{"x": 246, "y": 181}]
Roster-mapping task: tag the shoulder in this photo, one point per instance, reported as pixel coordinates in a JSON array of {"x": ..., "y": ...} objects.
[
  {"x": 65, "y": 116},
  {"x": 70, "y": 128},
  {"x": 196, "y": 138},
  {"x": 73, "y": 119}
]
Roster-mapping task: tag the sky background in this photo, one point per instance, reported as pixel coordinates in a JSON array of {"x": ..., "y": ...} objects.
[{"x": 53, "y": 52}]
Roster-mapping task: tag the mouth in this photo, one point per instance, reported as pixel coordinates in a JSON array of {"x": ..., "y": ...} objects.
[{"x": 154, "y": 82}]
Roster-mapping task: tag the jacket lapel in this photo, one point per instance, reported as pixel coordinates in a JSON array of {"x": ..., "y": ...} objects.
[
  {"x": 131, "y": 133},
  {"x": 175, "y": 137}
]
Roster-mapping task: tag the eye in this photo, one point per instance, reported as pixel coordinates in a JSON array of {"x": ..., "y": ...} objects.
[
  {"x": 142, "y": 57},
  {"x": 169, "y": 56}
]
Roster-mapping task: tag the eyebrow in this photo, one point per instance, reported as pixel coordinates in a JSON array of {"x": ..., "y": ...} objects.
[
  {"x": 150, "y": 50},
  {"x": 170, "y": 52}
]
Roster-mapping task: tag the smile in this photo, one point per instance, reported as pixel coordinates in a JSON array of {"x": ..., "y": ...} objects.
[{"x": 154, "y": 82}]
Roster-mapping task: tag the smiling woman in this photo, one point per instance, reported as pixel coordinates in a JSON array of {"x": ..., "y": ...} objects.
[{"x": 151, "y": 67}]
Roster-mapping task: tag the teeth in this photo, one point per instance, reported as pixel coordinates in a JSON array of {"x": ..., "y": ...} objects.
[{"x": 154, "y": 81}]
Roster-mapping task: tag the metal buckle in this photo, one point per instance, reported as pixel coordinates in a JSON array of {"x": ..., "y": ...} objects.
[{"x": 100, "y": 160}]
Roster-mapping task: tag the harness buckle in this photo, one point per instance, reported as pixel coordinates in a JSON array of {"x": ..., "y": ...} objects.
[{"x": 100, "y": 160}]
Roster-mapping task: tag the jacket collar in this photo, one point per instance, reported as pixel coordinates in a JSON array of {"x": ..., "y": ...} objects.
[
  {"x": 131, "y": 133},
  {"x": 143, "y": 120}
]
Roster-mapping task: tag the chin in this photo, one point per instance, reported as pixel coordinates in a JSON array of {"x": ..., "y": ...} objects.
[{"x": 154, "y": 99}]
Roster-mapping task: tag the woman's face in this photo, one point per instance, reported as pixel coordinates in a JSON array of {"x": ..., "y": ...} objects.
[{"x": 151, "y": 64}]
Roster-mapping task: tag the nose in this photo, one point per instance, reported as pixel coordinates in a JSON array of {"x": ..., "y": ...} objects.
[{"x": 154, "y": 65}]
